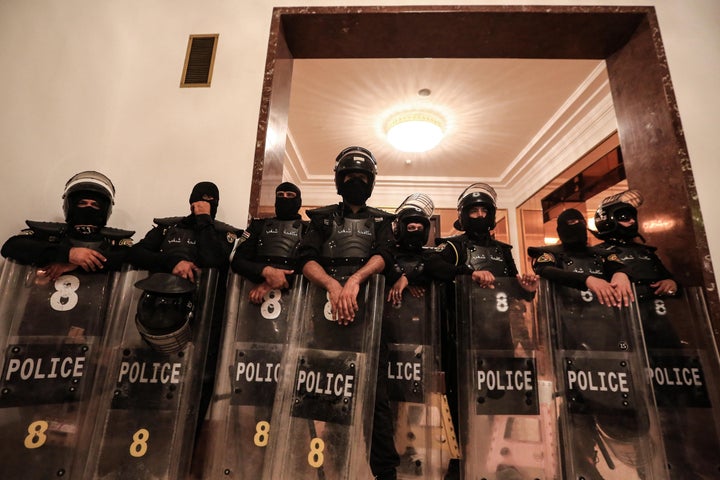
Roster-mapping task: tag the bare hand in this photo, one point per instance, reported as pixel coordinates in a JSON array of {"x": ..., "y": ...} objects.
[
  {"x": 529, "y": 281},
  {"x": 200, "y": 207},
  {"x": 623, "y": 287},
  {"x": 416, "y": 291},
  {"x": 604, "y": 291},
  {"x": 186, "y": 269},
  {"x": 276, "y": 277},
  {"x": 665, "y": 287},
  {"x": 257, "y": 294},
  {"x": 56, "y": 270},
  {"x": 484, "y": 278},
  {"x": 347, "y": 301},
  {"x": 86, "y": 258},
  {"x": 395, "y": 293}
]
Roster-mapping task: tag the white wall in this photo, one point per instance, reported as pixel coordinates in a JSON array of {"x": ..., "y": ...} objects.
[{"x": 94, "y": 85}]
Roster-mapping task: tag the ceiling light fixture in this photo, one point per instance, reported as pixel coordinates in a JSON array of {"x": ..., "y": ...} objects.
[{"x": 415, "y": 131}]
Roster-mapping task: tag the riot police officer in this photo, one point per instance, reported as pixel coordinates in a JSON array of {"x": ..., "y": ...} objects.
[
  {"x": 476, "y": 252},
  {"x": 83, "y": 240},
  {"x": 579, "y": 272},
  {"x": 184, "y": 245},
  {"x": 573, "y": 263},
  {"x": 616, "y": 222},
  {"x": 414, "y": 266},
  {"x": 267, "y": 250},
  {"x": 350, "y": 240}
]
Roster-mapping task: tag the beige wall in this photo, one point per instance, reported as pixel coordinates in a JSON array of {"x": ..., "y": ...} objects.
[{"x": 89, "y": 84}]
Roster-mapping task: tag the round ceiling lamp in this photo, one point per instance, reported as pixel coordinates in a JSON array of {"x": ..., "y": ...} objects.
[{"x": 415, "y": 131}]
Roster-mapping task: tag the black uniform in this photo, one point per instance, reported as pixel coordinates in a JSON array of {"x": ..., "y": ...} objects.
[
  {"x": 342, "y": 241},
  {"x": 268, "y": 242},
  {"x": 207, "y": 243},
  {"x": 196, "y": 238},
  {"x": 44, "y": 243},
  {"x": 644, "y": 268}
]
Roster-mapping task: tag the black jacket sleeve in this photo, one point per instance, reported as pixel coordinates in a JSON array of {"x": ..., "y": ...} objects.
[{"x": 244, "y": 263}]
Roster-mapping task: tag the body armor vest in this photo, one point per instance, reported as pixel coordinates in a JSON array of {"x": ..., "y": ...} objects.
[
  {"x": 583, "y": 264},
  {"x": 352, "y": 239},
  {"x": 487, "y": 258},
  {"x": 181, "y": 242},
  {"x": 411, "y": 266},
  {"x": 278, "y": 241},
  {"x": 640, "y": 262}
]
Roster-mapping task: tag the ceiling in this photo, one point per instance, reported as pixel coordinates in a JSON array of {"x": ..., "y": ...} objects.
[{"x": 514, "y": 123}]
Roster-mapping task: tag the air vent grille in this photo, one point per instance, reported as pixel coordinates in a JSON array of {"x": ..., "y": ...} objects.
[{"x": 199, "y": 60}]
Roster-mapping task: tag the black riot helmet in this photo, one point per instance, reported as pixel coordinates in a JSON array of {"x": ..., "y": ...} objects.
[
  {"x": 416, "y": 208},
  {"x": 615, "y": 209},
  {"x": 476, "y": 194},
  {"x": 88, "y": 184},
  {"x": 355, "y": 159},
  {"x": 165, "y": 310}
]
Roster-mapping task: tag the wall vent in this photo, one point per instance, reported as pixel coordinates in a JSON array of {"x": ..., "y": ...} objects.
[{"x": 199, "y": 60}]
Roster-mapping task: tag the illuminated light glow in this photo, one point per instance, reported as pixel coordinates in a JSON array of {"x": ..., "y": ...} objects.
[
  {"x": 415, "y": 131},
  {"x": 551, "y": 240},
  {"x": 658, "y": 225}
]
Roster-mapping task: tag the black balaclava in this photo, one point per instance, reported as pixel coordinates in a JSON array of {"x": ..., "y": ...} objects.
[
  {"x": 206, "y": 192},
  {"x": 412, "y": 241},
  {"x": 87, "y": 220},
  {"x": 477, "y": 228},
  {"x": 354, "y": 191},
  {"x": 287, "y": 208},
  {"x": 572, "y": 236}
]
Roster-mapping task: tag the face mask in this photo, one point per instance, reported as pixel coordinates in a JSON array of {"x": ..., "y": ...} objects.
[
  {"x": 86, "y": 216},
  {"x": 573, "y": 234},
  {"x": 355, "y": 191},
  {"x": 478, "y": 226},
  {"x": 412, "y": 241},
  {"x": 287, "y": 208},
  {"x": 627, "y": 233}
]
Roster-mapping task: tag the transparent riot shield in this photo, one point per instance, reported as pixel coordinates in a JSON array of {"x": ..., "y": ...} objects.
[
  {"x": 254, "y": 340},
  {"x": 608, "y": 421},
  {"x": 51, "y": 341},
  {"x": 323, "y": 409},
  {"x": 507, "y": 422},
  {"x": 148, "y": 401},
  {"x": 410, "y": 330},
  {"x": 685, "y": 373}
]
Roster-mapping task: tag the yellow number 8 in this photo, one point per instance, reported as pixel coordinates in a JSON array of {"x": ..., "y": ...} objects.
[
  {"x": 262, "y": 430},
  {"x": 36, "y": 434},
  {"x": 316, "y": 457},
  {"x": 139, "y": 447}
]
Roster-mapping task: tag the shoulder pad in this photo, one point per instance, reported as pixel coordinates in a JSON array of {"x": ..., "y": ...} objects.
[
  {"x": 376, "y": 212},
  {"x": 455, "y": 238},
  {"x": 535, "y": 252},
  {"x": 327, "y": 210},
  {"x": 168, "y": 221},
  {"x": 52, "y": 228},
  {"x": 116, "y": 233},
  {"x": 503, "y": 245},
  {"x": 225, "y": 227}
]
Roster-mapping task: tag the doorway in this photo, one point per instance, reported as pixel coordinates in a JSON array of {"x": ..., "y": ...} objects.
[{"x": 627, "y": 38}]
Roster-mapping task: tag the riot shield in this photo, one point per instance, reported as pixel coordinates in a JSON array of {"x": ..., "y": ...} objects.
[
  {"x": 410, "y": 330},
  {"x": 505, "y": 394},
  {"x": 148, "y": 400},
  {"x": 608, "y": 422},
  {"x": 323, "y": 409},
  {"x": 254, "y": 340},
  {"x": 52, "y": 340},
  {"x": 686, "y": 379}
]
